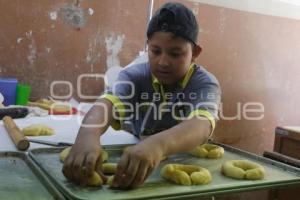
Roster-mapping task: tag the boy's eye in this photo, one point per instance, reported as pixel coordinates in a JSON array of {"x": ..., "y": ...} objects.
[
  {"x": 175, "y": 55},
  {"x": 155, "y": 52}
]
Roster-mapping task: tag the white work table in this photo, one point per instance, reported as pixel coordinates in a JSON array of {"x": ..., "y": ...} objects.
[{"x": 66, "y": 129}]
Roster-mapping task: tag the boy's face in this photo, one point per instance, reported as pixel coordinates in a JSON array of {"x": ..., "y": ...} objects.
[{"x": 170, "y": 56}]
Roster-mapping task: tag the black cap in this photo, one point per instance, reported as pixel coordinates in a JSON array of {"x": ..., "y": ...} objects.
[{"x": 174, "y": 18}]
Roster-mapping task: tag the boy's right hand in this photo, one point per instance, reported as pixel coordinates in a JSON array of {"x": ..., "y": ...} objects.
[{"x": 82, "y": 161}]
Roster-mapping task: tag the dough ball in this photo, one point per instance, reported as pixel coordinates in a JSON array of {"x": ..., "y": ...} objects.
[
  {"x": 243, "y": 169},
  {"x": 37, "y": 130},
  {"x": 208, "y": 151},
  {"x": 186, "y": 174}
]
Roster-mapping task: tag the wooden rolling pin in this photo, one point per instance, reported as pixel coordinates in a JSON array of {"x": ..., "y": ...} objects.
[{"x": 13, "y": 130}]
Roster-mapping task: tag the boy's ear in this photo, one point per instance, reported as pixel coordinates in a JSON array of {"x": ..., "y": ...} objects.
[{"x": 196, "y": 51}]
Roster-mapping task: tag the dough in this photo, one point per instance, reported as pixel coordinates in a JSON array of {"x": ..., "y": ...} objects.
[
  {"x": 37, "y": 130},
  {"x": 208, "y": 151},
  {"x": 104, "y": 156},
  {"x": 243, "y": 169},
  {"x": 64, "y": 153},
  {"x": 95, "y": 180},
  {"x": 109, "y": 168},
  {"x": 186, "y": 174},
  {"x": 53, "y": 106}
]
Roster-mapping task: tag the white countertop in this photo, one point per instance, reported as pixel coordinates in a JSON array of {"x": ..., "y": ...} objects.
[
  {"x": 292, "y": 128},
  {"x": 66, "y": 129}
]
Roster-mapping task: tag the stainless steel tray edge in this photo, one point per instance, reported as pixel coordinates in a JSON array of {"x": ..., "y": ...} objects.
[
  {"x": 37, "y": 172},
  {"x": 43, "y": 177},
  {"x": 60, "y": 186},
  {"x": 283, "y": 166}
]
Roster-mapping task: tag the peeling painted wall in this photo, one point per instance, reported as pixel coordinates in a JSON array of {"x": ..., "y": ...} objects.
[
  {"x": 46, "y": 41},
  {"x": 113, "y": 48}
]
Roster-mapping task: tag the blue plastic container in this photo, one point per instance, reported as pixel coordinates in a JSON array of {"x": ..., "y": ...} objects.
[{"x": 8, "y": 87}]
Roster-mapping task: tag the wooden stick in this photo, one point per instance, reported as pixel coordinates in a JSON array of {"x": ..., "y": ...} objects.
[{"x": 14, "y": 132}]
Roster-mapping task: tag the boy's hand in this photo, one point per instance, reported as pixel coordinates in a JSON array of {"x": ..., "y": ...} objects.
[
  {"x": 136, "y": 164},
  {"x": 82, "y": 161}
]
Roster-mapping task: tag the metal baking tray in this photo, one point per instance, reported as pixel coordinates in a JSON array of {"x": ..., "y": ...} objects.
[
  {"x": 21, "y": 179},
  {"x": 277, "y": 174}
]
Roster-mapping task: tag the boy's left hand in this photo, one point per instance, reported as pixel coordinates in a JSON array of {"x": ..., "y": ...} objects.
[{"x": 136, "y": 164}]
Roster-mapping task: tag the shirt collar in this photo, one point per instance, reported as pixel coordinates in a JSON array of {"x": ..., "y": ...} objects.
[{"x": 182, "y": 83}]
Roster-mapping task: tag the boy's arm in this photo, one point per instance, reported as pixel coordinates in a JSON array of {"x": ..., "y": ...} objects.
[
  {"x": 139, "y": 161},
  {"x": 84, "y": 155},
  {"x": 183, "y": 137}
]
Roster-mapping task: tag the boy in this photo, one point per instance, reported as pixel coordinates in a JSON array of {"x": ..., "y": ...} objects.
[{"x": 169, "y": 101}]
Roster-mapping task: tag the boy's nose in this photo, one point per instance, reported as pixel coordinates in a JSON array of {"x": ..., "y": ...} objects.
[{"x": 163, "y": 60}]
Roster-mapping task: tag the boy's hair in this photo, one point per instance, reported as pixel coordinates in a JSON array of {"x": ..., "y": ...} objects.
[{"x": 177, "y": 19}]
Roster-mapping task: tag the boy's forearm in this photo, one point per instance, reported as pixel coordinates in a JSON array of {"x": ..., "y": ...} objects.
[
  {"x": 96, "y": 121},
  {"x": 183, "y": 137}
]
